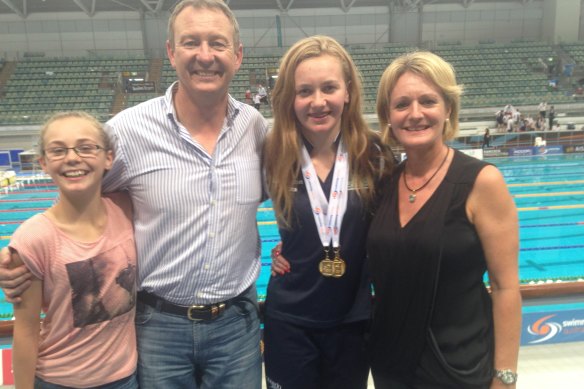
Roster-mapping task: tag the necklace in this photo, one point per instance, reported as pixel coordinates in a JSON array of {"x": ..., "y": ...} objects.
[{"x": 412, "y": 196}]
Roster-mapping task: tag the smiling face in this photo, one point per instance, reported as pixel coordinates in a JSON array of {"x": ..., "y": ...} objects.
[
  {"x": 321, "y": 95},
  {"x": 74, "y": 174},
  {"x": 417, "y": 111},
  {"x": 203, "y": 53}
]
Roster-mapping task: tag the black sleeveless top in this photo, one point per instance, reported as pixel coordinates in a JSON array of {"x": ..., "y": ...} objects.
[{"x": 432, "y": 319}]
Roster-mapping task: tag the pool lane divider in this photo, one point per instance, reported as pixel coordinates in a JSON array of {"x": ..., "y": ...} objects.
[
  {"x": 27, "y": 192},
  {"x": 27, "y": 200},
  {"x": 22, "y": 210},
  {"x": 549, "y": 194},
  {"x": 573, "y": 246},
  {"x": 547, "y": 183},
  {"x": 551, "y": 207},
  {"x": 552, "y": 225}
]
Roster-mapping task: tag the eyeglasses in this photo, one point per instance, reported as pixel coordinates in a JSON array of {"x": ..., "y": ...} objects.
[{"x": 83, "y": 151}]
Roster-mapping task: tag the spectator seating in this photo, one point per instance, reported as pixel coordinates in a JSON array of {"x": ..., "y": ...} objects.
[
  {"x": 40, "y": 87},
  {"x": 492, "y": 75}
]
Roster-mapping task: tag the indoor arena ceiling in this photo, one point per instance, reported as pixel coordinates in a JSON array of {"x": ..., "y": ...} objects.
[{"x": 23, "y": 8}]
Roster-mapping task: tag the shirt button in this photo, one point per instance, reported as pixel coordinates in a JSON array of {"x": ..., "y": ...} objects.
[
  {"x": 207, "y": 267},
  {"x": 211, "y": 234},
  {"x": 200, "y": 295},
  {"x": 213, "y": 202}
]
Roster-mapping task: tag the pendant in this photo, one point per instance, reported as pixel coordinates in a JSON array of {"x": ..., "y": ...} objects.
[{"x": 412, "y": 197}]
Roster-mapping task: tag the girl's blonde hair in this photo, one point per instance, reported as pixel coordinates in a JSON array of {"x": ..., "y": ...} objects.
[
  {"x": 107, "y": 145},
  {"x": 283, "y": 157},
  {"x": 430, "y": 67}
]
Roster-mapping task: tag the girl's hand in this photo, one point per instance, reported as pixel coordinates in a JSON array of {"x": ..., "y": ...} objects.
[{"x": 280, "y": 265}]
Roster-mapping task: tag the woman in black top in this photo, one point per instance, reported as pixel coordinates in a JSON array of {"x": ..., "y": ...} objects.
[{"x": 444, "y": 219}]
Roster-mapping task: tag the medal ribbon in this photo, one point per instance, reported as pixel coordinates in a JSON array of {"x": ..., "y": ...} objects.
[{"x": 328, "y": 215}]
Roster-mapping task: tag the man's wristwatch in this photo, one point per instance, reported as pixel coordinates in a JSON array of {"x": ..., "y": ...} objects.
[{"x": 506, "y": 376}]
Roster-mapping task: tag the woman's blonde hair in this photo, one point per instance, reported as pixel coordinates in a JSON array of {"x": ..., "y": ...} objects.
[
  {"x": 430, "y": 67},
  {"x": 283, "y": 157}
]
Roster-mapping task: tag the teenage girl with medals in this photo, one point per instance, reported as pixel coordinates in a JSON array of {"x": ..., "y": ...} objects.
[{"x": 323, "y": 166}]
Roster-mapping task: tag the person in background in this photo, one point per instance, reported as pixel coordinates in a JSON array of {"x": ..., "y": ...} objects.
[
  {"x": 551, "y": 117},
  {"x": 500, "y": 119},
  {"x": 257, "y": 101},
  {"x": 542, "y": 108},
  {"x": 82, "y": 255},
  {"x": 487, "y": 138},
  {"x": 323, "y": 168},
  {"x": 444, "y": 220},
  {"x": 191, "y": 162},
  {"x": 262, "y": 93},
  {"x": 530, "y": 123},
  {"x": 511, "y": 121}
]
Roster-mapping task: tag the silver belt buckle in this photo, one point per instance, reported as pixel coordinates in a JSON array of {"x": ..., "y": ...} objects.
[{"x": 214, "y": 310}]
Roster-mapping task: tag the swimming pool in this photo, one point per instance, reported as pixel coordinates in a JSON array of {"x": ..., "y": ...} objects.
[
  {"x": 548, "y": 191},
  {"x": 549, "y": 194}
]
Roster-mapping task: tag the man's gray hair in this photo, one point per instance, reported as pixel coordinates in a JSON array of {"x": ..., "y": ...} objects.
[{"x": 204, "y": 4}]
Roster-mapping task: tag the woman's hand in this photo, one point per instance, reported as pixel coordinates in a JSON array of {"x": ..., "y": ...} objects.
[{"x": 280, "y": 265}]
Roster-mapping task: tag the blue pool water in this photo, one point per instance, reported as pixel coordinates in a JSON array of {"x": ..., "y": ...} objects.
[
  {"x": 549, "y": 194},
  {"x": 548, "y": 191}
]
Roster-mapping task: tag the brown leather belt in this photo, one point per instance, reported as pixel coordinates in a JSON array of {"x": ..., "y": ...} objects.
[{"x": 192, "y": 312}]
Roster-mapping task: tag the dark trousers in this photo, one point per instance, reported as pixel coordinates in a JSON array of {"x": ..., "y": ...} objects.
[{"x": 298, "y": 357}]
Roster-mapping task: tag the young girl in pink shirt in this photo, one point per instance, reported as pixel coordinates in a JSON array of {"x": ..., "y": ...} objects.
[{"x": 82, "y": 254}]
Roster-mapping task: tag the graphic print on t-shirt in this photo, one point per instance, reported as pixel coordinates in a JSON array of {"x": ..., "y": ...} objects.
[{"x": 100, "y": 290}]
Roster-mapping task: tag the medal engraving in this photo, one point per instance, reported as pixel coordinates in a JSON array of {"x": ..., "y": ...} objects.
[
  {"x": 326, "y": 265},
  {"x": 326, "y": 268}
]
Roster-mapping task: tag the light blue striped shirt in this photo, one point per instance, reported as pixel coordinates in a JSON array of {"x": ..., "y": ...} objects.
[{"x": 194, "y": 213}]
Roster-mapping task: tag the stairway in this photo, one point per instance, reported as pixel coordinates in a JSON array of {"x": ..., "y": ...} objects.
[
  {"x": 119, "y": 101},
  {"x": 155, "y": 71},
  {"x": 5, "y": 74}
]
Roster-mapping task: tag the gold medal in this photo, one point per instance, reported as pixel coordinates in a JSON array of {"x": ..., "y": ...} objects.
[
  {"x": 339, "y": 266},
  {"x": 326, "y": 265},
  {"x": 332, "y": 268}
]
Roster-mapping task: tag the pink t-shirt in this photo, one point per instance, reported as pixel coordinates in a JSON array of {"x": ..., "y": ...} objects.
[{"x": 88, "y": 336}]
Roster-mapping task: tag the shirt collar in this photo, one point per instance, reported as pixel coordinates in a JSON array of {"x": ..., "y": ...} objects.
[{"x": 233, "y": 106}]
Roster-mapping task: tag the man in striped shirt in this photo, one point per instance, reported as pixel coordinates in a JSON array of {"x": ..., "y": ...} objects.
[{"x": 191, "y": 161}]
